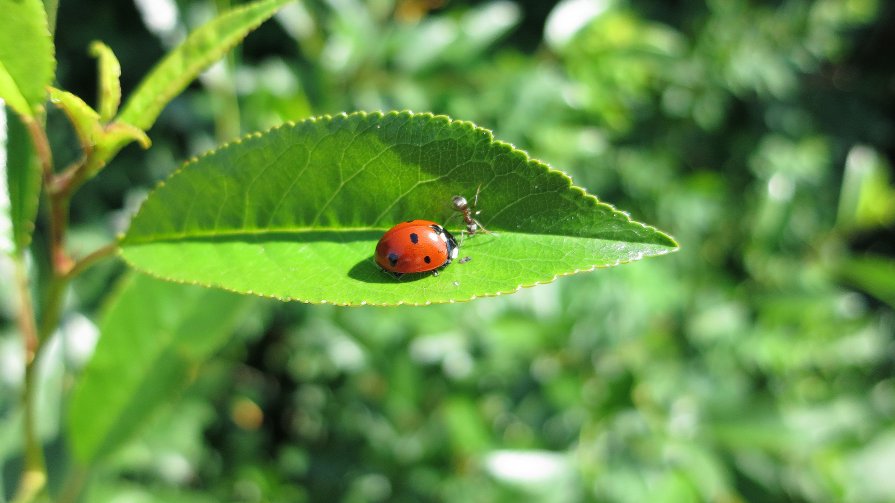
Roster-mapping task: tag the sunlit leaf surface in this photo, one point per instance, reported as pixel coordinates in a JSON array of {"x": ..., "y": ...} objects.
[{"x": 295, "y": 213}]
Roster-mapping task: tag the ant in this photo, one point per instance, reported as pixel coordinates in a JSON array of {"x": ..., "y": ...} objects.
[{"x": 461, "y": 205}]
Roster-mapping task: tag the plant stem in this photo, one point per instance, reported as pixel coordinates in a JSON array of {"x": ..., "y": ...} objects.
[
  {"x": 58, "y": 196},
  {"x": 34, "y": 474},
  {"x": 26, "y": 320},
  {"x": 61, "y": 262}
]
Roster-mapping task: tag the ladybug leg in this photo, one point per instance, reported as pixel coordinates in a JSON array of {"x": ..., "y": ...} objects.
[{"x": 396, "y": 275}]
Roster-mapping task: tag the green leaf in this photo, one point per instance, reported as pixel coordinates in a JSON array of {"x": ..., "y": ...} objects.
[
  {"x": 26, "y": 55},
  {"x": 874, "y": 275},
  {"x": 20, "y": 183},
  {"x": 295, "y": 213},
  {"x": 182, "y": 65},
  {"x": 109, "y": 80},
  {"x": 867, "y": 199},
  {"x": 84, "y": 119},
  {"x": 152, "y": 336}
]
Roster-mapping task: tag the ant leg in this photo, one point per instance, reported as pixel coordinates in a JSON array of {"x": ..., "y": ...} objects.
[{"x": 483, "y": 229}]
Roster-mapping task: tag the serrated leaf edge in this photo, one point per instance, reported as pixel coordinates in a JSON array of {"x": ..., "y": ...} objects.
[
  {"x": 509, "y": 147},
  {"x": 466, "y": 124}
]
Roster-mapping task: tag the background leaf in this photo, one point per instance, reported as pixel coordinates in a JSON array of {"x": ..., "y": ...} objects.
[
  {"x": 26, "y": 54},
  {"x": 295, "y": 213},
  {"x": 152, "y": 336},
  {"x": 182, "y": 65},
  {"x": 20, "y": 174},
  {"x": 872, "y": 274}
]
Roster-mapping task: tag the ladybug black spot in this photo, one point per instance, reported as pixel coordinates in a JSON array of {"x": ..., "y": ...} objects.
[
  {"x": 393, "y": 259},
  {"x": 427, "y": 259},
  {"x": 414, "y": 238}
]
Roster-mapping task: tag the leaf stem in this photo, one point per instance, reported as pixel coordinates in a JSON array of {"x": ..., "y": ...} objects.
[{"x": 90, "y": 259}]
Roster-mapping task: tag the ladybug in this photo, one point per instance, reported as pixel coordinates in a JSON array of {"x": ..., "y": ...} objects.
[{"x": 416, "y": 246}]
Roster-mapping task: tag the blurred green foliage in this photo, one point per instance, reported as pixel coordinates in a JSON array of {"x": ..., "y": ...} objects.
[{"x": 756, "y": 364}]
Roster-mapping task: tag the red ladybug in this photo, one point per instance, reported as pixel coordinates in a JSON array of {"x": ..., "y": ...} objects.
[{"x": 416, "y": 246}]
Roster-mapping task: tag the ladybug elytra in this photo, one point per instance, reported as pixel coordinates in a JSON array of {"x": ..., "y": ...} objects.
[{"x": 416, "y": 246}]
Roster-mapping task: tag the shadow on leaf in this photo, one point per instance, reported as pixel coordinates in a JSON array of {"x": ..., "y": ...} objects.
[{"x": 369, "y": 272}]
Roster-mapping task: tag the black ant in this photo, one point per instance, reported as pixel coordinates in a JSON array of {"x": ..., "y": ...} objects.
[{"x": 461, "y": 205}]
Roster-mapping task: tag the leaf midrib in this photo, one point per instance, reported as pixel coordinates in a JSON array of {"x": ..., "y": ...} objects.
[{"x": 174, "y": 238}]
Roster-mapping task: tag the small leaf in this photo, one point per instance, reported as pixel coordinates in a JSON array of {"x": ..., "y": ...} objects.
[
  {"x": 182, "y": 65},
  {"x": 20, "y": 182},
  {"x": 152, "y": 335},
  {"x": 295, "y": 213},
  {"x": 109, "y": 80},
  {"x": 84, "y": 119},
  {"x": 26, "y": 55},
  {"x": 99, "y": 142}
]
